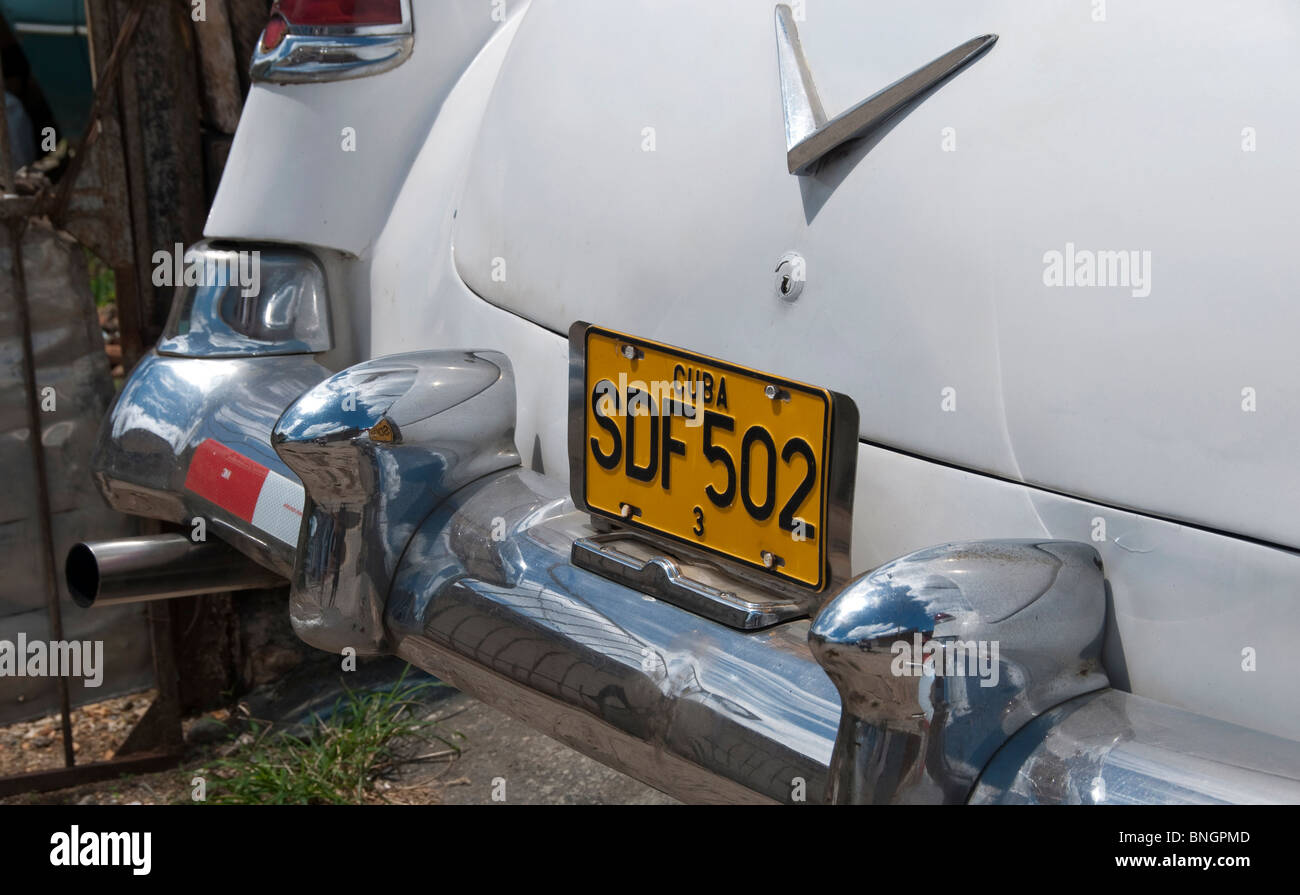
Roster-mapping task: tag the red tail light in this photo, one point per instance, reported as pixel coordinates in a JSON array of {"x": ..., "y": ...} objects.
[
  {"x": 275, "y": 31},
  {"x": 340, "y": 12},
  {"x": 314, "y": 41}
]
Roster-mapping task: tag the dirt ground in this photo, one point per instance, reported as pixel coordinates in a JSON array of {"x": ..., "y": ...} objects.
[
  {"x": 497, "y": 756},
  {"x": 97, "y": 730},
  {"x": 537, "y": 769}
]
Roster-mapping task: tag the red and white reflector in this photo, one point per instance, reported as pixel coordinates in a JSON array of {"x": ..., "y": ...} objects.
[{"x": 246, "y": 488}]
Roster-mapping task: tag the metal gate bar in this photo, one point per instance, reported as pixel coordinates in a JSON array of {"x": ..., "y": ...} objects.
[{"x": 156, "y": 742}]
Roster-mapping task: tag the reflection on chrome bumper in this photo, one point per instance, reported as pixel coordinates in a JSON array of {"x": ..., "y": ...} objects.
[
  {"x": 191, "y": 437},
  {"x": 379, "y": 446},
  {"x": 697, "y": 709},
  {"x": 942, "y": 655},
  {"x": 709, "y": 713},
  {"x": 425, "y": 538},
  {"x": 1115, "y": 748}
]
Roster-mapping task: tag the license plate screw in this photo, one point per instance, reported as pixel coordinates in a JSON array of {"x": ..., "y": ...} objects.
[
  {"x": 631, "y": 352},
  {"x": 771, "y": 560},
  {"x": 627, "y": 511},
  {"x": 776, "y": 393}
]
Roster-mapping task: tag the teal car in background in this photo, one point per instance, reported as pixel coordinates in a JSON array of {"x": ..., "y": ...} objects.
[{"x": 52, "y": 34}]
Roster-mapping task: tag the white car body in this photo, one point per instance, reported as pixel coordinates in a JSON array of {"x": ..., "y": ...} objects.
[
  {"x": 1055, "y": 285},
  {"x": 1081, "y": 413}
]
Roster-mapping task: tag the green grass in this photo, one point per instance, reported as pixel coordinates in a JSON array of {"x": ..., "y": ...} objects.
[
  {"x": 337, "y": 765},
  {"x": 103, "y": 283}
]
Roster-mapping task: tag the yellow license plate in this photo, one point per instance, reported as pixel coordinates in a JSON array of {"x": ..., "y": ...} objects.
[{"x": 705, "y": 452}]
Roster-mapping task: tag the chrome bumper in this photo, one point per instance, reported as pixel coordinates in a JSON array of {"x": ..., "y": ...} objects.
[
  {"x": 708, "y": 713},
  {"x": 424, "y": 538},
  {"x": 173, "y": 409},
  {"x": 699, "y": 710}
]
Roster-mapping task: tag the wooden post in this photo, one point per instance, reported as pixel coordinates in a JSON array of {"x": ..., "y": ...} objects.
[
  {"x": 163, "y": 99},
  {"x": 222, "y": 94},
  {"x": 247, "y": 19}
]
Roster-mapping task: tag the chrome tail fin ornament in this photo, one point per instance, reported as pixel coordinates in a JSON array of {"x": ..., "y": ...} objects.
[
  {"x": 804, "y": 114},
  {"x": 941, "y": 656},
  {"x": 379, "y": 447},
  {"x": 809, "y": 136}
]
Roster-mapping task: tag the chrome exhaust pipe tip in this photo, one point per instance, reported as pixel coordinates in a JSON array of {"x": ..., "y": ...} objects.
[
  {"x": 81, "y": 573},
  {"x": 158, "y": 567}
]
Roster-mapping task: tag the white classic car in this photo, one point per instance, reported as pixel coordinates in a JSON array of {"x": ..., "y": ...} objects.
[{"x": 834, "y": 401}]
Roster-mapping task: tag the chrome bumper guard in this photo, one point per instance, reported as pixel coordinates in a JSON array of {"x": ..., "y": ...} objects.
[{"x": 423, "y": 537}]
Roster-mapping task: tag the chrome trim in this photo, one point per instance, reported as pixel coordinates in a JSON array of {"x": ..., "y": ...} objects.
[
  {"x": 697, "y": 709},
  {"x": 158, "y": 567},
  {"x": 843, "y": 453},
  {"x": 738, "y": 606},
  {"x": 485, "y": 596},
  {"x": 1116, "y": 748},
  {"x": 809, "y": 135},
  {"x": 804, "y": 114},
  {"x": 446, "y": 418},
  {"x": 290, "y": 281},
  {"x": 909, "y": 737},
  {"x": 313, "y": 53},
  {"x": 171, "y": 405},
  {"x": 487, "y": 599}
]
